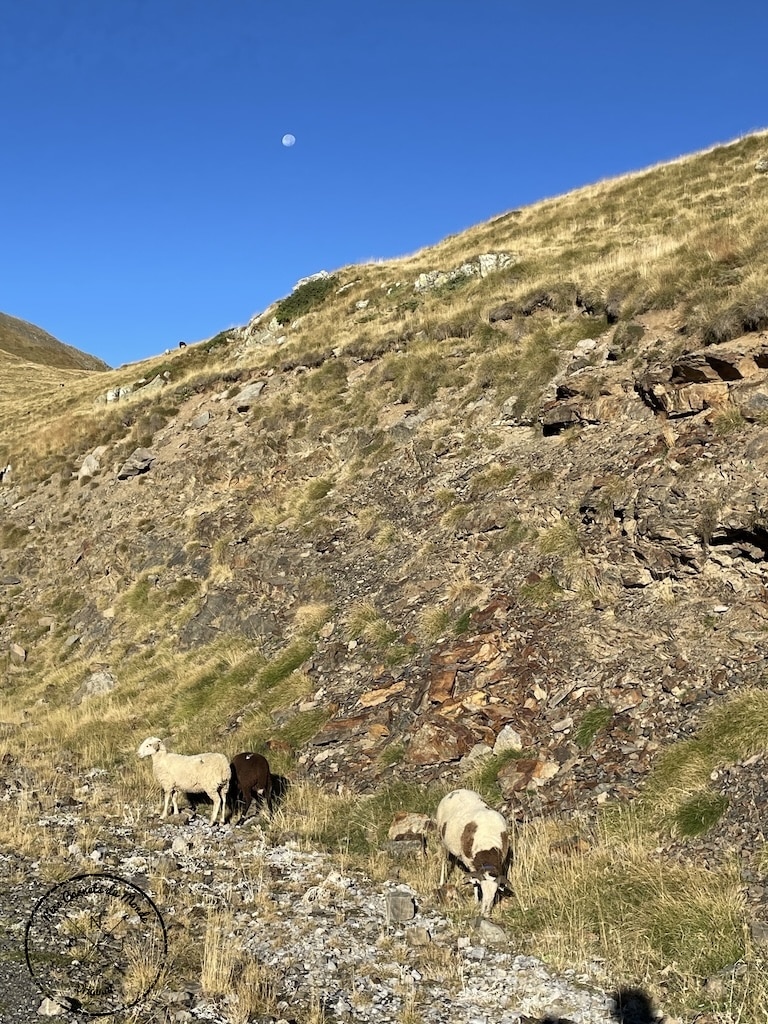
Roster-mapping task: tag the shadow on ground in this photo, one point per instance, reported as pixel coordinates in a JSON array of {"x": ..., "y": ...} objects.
[{"x": 630, "y": 1006}]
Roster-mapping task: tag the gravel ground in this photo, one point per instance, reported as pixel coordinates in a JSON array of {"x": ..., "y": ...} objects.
[
  {"x": 19, "y": 998},
  {"x": 326, "y": 936}
]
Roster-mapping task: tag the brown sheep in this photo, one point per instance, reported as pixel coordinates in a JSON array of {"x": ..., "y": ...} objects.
[{"x": 251, "y": 780}]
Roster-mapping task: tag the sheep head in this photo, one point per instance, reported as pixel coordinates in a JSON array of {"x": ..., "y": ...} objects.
[
  {"x": 151, "y": 745},
  {"x": 487, "y": 883}
]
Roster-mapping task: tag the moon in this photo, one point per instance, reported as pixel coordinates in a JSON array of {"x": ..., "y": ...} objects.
[{"x": 288, "y": 140}]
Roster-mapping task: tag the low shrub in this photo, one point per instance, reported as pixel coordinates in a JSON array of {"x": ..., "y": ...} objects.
[{"x": 306, "y": 297}]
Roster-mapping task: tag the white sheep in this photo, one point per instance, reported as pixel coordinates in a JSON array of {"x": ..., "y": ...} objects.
[
  {"x": 472, "y": 832},
  {"x": 189, "y": 773}
]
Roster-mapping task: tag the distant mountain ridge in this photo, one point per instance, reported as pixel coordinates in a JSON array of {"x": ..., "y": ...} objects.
[{"x": 33, "y": 344}]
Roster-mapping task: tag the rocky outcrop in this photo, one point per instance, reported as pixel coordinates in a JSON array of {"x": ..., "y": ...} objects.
[
  {"x": 708, "y": 380},
  {"x": 485, "y": 264}
]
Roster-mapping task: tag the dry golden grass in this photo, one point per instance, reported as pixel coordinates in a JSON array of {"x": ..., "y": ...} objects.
[
  {"x": 688, "y": 231},
  {"x": 613, "y": 901},
  {"x": 41, "y": 405},
  {"x": 686, "y": 238},
  {"x": 366, "y": 622},
  {"x": 220, "y": 954},
  {"x": 255, "y": 993}
]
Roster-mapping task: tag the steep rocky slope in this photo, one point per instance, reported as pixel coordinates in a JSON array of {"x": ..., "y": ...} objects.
[
  {"x": 446, "y": 508},
  {"x": 494, "y": 511}
]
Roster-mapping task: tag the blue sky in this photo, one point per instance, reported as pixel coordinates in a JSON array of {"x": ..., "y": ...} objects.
[{"x": 145, "y": 196}]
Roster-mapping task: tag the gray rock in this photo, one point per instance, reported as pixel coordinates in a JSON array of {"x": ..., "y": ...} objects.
[
  {"x": 156, "y": 384},
  {"x": 321, "y": 275},
  {"x": 400, "y": 906},
  {"x": 115, "y": 394},
  {"x": 508, "y": 739},
  {"x": 92, "y": 463},
  {"x": 48, "y": 1008},
  {"x": 245, "y": 399},
  {"x": 491, "y": 933},
  {"x": 417, "y": 936},
  {"x": 140, "y": 462},
  {"x": 180, "y": 846},
  {"x": 404, "y": 849},
  {"x": 96, "y": 685},
  {"x": 481, "y": 267}
]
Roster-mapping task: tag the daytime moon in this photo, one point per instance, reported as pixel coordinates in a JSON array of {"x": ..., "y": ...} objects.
[{"x": 288, "y": 140}]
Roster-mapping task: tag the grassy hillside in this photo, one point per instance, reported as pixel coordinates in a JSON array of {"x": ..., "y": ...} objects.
[
  {"x": 527, "y": 497},
  {"x": 31, "y": 344}
]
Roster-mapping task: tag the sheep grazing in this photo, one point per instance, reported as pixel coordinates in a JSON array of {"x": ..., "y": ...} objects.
[
  {"x": 189, "y": 773},
  {"x": 251, "y": 780},
  {"x": 473, "y": 833}
]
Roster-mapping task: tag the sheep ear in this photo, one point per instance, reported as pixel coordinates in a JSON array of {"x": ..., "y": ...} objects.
[{"x": 504, "y": 888}]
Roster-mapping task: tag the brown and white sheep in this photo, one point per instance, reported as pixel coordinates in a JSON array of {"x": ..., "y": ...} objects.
[
  {"x": 207, "y": 773},
  {"x": 473, "y": 833}
]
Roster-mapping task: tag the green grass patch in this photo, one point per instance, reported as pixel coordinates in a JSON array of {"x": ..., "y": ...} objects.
[
  {"x": 462, "y": 623},
  {"x": 301, "y": 727},
  {"x": 328, "y": 382},
  {"x": 728, "y": 420},
  {"x": 595, "y": 721},
  {"x": 514, "y": 533},
  {"x": 416, "y": 376},
  {"x": 485, "y": 776},
  {"x": 391, "y": 755},
  {"x": 359, "y": 825},
  {"x": 698, "y": 814},
  {"x": 560, "y": 539},
  {"x": 492, "y": 479},
  {"x": 542, "y": 592},
  {"x": 218, "y": 691},
  {"x": 284, "y": 664},
  {"x": 318, "y": 489},
  {"x": 731, "y": 732},
  {"x": 622, "y": 905},
  {"x": 12, "y": 536}
]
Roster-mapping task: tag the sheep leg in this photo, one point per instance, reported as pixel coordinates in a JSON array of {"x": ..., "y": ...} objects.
[
  {"x": 446, "y": 868},
  {"x": 166, "y": 804},
  {"x": 247, "y": 801},
  {"x": 219, "y": 804},
  {"x": 265, "y": 797}
]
